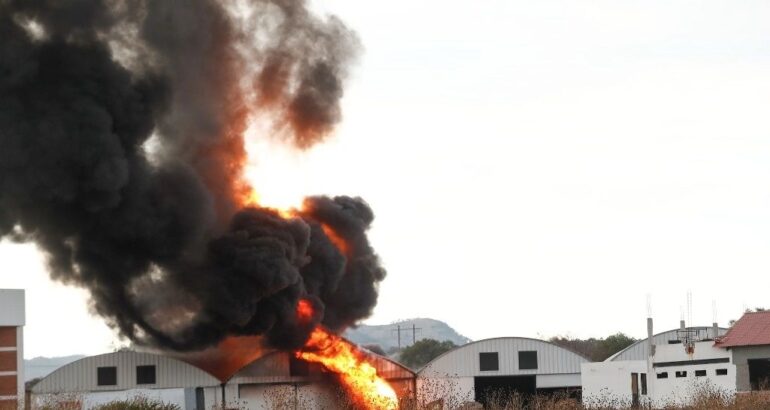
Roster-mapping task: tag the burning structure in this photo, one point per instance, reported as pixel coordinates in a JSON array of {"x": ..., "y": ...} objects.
[{"x": 122, "y": 157}]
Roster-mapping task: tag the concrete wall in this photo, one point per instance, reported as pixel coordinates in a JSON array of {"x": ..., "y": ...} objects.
[
  {"x": 93, "y": 399},
  {"x": 287, "y": 396},
  {"x": 454, "y": 391},
  {"x": 741, "y": 355},
  {"x": 681, "y": 390},
  {"x": 609, "y": 383}
]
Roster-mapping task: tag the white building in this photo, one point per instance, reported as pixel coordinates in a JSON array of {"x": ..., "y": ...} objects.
[
  {"x": 12, "y": 320},
  {"x": 278, "y": 379},
  {"x": 479, "y": 370},
  {"x": 671, "y": 374},
  {"x": 124, "y": 375},
  {"x": 640, "y": 349}
]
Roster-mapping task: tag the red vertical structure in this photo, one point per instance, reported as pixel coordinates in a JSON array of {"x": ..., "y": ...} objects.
[{"x": 12, "y": 319}]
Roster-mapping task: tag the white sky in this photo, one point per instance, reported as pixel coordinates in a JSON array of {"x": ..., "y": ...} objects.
[{"x": 537, "y": 167}]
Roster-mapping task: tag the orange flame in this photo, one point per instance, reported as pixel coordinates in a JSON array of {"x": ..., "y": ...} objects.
[
  {"x": 304, "y": 311},
  {"x": 336, "y": 239},
  {"x": 339, "y": 356}
]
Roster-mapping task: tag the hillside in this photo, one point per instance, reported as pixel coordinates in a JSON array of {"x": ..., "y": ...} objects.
[
  {"x": 387, "y": 335},
  {"x": 42, "y": 366}
]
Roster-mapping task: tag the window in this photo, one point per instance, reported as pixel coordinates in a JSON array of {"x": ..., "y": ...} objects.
[
  {"x": 663, "y": 375},
  {"x": 145, "y": 374},
  {"x": 644, "y": 383},
  {"x": 700, "y": 373},
  {"x": 106, "y": 376},
  {"x": 681, "y": 373},
  {"x": 488, "y": 361},
  {"x": 721, "y": 372},
  {"x": 528, "y": 360}
]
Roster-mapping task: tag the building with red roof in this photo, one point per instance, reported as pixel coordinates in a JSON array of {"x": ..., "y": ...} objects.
[{"x": 749, "y": 342}]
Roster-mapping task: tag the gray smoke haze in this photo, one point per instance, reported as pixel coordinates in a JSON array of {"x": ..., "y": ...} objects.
[{"x": 121, "y": 152}]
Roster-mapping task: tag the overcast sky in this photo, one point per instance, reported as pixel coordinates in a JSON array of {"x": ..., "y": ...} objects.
[{"x": 537, "y": 167}]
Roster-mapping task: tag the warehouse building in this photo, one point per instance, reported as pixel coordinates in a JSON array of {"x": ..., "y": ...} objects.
[
  {"x": 12, "y": 318},
  {"x": 479, "y": 370},
  {"x": 749, "y": 342},
  {"x": 278, "y": 378},
  {"x": 125, "y": 375},
  {"x": 669, "y": 374}
]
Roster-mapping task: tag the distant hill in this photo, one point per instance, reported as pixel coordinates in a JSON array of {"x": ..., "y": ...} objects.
[
  {"x": 43, "y": 366},
  {"x": 387, "y": 335}
]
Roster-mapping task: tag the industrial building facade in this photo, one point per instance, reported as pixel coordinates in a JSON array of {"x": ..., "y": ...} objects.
[
  {"x": 675, "y": 368},
  {"x": 123, "y": 375},
  {"x": 12, "y": 320},
  {"x": 477, "y": 370}
]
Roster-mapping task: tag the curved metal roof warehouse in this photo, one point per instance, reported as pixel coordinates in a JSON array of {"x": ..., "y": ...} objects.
[
  {"x": 523, "y": 365},
  {"x": 123, "y": 375}
]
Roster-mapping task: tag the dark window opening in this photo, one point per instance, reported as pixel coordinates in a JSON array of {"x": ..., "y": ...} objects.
[
  {"x": 501, "y": 390},
  {"x": 759, "y": 374},
  {"x": 721, "y": 372},
  {"x": 488, "y": 361},
  {"x": 700, "y": 373},
  {"x": 528, "y": 360},
  {"x": 663, "y": 375},
  {"x": 200, "y": 399},
  {"x": 681, "y": 373},
  {"x": 106, "y": 376},
  {"x": 644, "y": 383},
  {"x": 298, "y": 368},
  {"x": 145, "y": 374}
]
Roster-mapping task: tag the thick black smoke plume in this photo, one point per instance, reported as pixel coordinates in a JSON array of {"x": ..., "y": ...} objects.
[{"x": 121, "y": 153}]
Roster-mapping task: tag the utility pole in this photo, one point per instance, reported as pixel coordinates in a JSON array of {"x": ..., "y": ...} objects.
[
  {"x": 414, "y": 330},
  {"x": 398, "y": 330}
]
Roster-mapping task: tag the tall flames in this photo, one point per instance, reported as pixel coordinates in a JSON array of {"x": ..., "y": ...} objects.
[{"x": 359, "y": 377}]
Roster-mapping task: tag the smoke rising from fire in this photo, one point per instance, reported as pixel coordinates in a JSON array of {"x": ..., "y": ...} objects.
[{"x": 121, "y": 156}]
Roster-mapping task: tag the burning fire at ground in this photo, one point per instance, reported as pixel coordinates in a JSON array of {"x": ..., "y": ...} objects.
[{"x": 339, "y": 356}]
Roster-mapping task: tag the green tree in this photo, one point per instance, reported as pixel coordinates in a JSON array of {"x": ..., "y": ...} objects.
[
  {"x": 423, "y": 351},
  {"x": 615, "y": 343},
  {"x": 593, "y": 349}
]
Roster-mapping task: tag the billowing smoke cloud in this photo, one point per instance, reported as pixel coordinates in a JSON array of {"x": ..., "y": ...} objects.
[{"x": 121, "y": 153}]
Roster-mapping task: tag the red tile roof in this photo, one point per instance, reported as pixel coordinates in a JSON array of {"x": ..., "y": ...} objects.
[{"x": 753, "y": 329}]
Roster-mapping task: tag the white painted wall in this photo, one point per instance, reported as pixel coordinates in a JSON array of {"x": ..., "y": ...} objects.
[
  {"x": 676, "y": 352},
  {"x": 453, "y": 390},
  {"x": 90, "y": 400},
  {"x": 681, "y": 390},
  {"x": 548, "y": 381},
  {"x": 286, "y": 396},
  {"x": 609, "y": 383}
]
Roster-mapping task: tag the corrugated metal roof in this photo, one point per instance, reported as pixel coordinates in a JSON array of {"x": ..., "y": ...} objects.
[
  {"x": 639, "y": 350},
  {"x": 275, "y": 368},
  {"x": 80, "y": 376},
  {"x": 752, "y": 329},
  {"x": 464, "y": 360}
]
